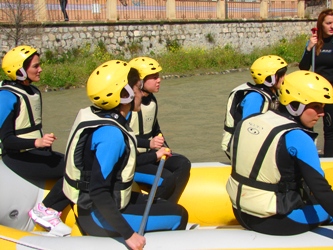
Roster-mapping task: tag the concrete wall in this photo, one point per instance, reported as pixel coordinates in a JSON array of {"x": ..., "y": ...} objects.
[{"x": 152, "y": 37}]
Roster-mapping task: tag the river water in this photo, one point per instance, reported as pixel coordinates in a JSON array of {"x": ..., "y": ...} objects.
[{"x": 191, "y": 113}]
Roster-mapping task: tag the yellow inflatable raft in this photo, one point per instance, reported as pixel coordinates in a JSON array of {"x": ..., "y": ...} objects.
[{"x": 210, "y": 218}]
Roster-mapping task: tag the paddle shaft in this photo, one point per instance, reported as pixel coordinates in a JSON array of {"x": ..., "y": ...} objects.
[
  {"x": 313, "y": 30},
  {"x": 151, "y": 196},
  {"x": 313, "y": 58}
]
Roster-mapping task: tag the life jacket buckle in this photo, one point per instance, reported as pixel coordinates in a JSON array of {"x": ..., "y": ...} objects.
[{"x": 82, "y": 185}]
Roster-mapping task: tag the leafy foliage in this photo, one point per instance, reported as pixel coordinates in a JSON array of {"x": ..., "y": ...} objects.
[{"x": 74, "y": 67}]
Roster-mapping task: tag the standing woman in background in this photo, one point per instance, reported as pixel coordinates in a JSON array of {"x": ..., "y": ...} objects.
[{"x": 322, "y": 42}]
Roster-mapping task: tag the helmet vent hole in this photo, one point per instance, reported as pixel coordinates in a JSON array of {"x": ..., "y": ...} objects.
[
  {"x": 287, "y": 91},
  {"x": 108, "y": 95},
  {"x": 327, "y": 96},
  {"x": 96, "y": 98},
  {"x": 104, "y": 103},
  {"x": 317, "y": 77},
  {"x": 97, "y": 73}
]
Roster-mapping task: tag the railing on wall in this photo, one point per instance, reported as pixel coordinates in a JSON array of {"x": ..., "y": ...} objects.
[
  {"x": 243, "y": 10},
  {"x": 282, "y": 9},
  {"x": 77, "y": 10},
  {"x": 141, "y": 10},
  {"x": 148, "y": 10},
  {"x": 193, "y": 9}
]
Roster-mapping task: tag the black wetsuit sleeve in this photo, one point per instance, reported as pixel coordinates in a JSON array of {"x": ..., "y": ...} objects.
[
  {"x": 157, "y": 130},
  {"x": 306, "y": 60},
  {"x": 9, "y": 140},
  {"x": 146, "y": 158},
  {"x": 142, "y": 142},
  {"x": 318, "y": 185},
  {"x": 145, "y": 143}
]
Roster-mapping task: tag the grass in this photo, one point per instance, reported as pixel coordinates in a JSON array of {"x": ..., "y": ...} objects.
[{"x": 73, "y": 68}]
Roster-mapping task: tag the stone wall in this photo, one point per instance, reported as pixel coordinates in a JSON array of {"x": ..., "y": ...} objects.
[{"x": 148, "y": 38}]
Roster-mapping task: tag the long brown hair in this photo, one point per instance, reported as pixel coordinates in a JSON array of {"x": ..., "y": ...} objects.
[{"x": 320, "y": 33}]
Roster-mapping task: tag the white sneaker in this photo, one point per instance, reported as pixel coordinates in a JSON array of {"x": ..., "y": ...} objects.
[{"x": 50, "y": 220}]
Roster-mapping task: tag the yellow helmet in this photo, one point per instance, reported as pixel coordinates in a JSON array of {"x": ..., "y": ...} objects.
[
  {"x": 266, "y": 66},
  {"x": 304, "y": 87},
  {"x": 146, "y": 66},
  {"x": 14, "y": 59},
  {"x": 106, "y": 82}
]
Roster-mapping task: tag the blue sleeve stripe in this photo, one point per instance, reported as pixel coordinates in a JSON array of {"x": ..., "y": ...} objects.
[
  {"x": 109, "y": 144},
  {"x": 8, "y": 101},
  {"x": 252, "y": 104},
  {"x": 301, "y": 145}
]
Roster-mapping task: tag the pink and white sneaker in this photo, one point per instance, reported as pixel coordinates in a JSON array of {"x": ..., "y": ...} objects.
[{"x": 50, "y": 220}]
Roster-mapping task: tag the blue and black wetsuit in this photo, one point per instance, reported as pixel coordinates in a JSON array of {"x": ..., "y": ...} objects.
[
  {"x": 105, "y": 156},
  {"x": 298, "y": 162}
]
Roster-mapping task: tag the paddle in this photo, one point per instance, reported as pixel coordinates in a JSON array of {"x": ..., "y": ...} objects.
[
  {"x": 313, "y": 30},
  {"x": 151, "y": 195}
]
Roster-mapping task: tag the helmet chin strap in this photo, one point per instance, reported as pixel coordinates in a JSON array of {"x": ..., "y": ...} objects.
[
  {"x": 146, "y": 91},
  {"x": 143, "y": 88},
  {"x": 24, "y": 75},
  {"x": 294, "y": 112},
  {"x": 271, "y": 84},
  {"x": 130, "y": 97}
]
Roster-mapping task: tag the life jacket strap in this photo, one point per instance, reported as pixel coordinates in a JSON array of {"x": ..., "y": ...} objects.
[{"x": 78, "y": 184}]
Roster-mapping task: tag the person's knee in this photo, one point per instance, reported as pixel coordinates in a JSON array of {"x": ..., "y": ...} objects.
[{"x": 182, "y": 162}]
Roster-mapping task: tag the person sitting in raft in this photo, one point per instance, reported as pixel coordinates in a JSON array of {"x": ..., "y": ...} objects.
[
  {"x": 101, "y": 153},
  {"x": 268, "y": 73},
  {"x": 25, "y": 149},
  {"x": 151, "y": 142},
  {"x": 277, "y": 185}
]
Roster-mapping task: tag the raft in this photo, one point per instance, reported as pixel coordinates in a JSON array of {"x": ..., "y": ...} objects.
[{"x": 211, "y": 221}]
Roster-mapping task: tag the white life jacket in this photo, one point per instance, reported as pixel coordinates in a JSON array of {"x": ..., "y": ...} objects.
[
  {"x": 234, "y": 113},
  {"x": 76, "y": 179},
  {"x": 28, "y": 123},
  {"x": 254, "y": 186},
  {"x": 142, "y": 122}
]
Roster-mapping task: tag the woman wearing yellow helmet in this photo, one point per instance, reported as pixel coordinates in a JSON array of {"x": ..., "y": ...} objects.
[
  {"x": 247, "y": 99},
  {"x": 26, "y": 150},
  {"x": 100, "y": 161},
  {"x": 277, "y": 185},
  {"x": 151, "y": 143}
]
